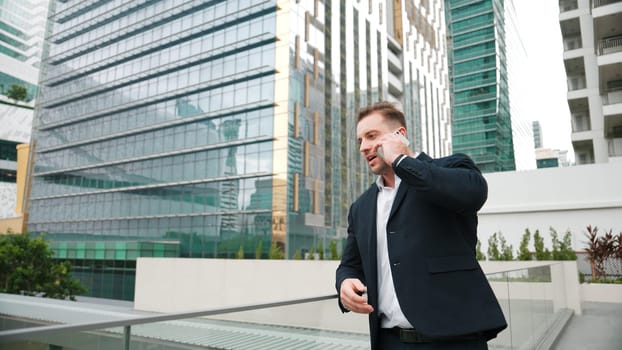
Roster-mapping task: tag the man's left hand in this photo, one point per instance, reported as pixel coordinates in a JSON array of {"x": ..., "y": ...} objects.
[{"x": 392, "y": 146}]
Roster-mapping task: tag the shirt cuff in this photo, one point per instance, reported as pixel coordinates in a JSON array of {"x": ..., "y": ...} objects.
[{"x": 398, "y": 160}]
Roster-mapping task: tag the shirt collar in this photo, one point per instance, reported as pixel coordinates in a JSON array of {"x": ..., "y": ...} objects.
[{"x": 381, "y": 185}]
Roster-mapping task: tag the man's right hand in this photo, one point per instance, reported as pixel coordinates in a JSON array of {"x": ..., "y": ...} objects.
[{"x": 351, "y": 298}]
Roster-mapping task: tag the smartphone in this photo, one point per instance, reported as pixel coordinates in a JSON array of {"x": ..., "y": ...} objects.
[{"x": 402, "y": 137}]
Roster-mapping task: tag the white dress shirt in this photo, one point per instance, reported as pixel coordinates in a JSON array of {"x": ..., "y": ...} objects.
[{"x": 388, "y": 306}]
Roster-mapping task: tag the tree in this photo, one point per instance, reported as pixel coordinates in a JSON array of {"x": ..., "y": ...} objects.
[
  {"x": 538, "y": 244},
  {"x": 240, "y": 253},
  {"x": 320, "y": 250},
  {"x": 332, "y": 247},
  {"x": 498, "y": 248},
  {"x": 17, "y": 93},
  {"x": 478, "y": 251},
  {"x": 555, "y": 252},
  {"x": 507, "y": 251},
  {"x": 523, "y": 249},
  {"x": 311, "y": 254},
  {"x": 562, "y": 250},
  {"x": 618, "y": 246},
  {"x": 27, "y": 267},
  {"x": 598, "y": 250},
  {"x": 297, "y": 255},
  {"x": 493, "y": 248},
  {"x": 259, "y": 249},
  {"x": 276, "y": 251},
  {"x": 617, "y": 251}
]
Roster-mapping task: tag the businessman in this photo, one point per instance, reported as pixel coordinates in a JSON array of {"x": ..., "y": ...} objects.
[{"x": 409, "y": 260}]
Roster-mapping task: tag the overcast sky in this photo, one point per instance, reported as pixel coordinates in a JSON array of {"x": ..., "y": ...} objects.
[{"x": 541, "y": 36}]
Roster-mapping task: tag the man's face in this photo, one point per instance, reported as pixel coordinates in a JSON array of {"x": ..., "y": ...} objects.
[{"x": 368, "y": 131}]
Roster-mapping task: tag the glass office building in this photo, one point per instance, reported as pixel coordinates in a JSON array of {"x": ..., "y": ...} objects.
[
  {"x": 478, "y": 60},
  {"x": 22, "y": 24},
  {"x": 208, "y": 128}
]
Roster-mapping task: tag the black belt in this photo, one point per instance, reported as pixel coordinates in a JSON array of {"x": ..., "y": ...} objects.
[{"x": 412, "y": 336}]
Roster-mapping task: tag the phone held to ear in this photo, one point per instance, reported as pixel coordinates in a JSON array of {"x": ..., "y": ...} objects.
[{"x": 402, "y": 138}]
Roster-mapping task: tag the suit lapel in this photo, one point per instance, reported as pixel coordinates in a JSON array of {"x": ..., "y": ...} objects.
[
  {"x": 399, "y": 198},
  {"x": 370, "y": 207}
]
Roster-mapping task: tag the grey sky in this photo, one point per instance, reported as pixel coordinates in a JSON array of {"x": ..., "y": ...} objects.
[{"x": 541, "y": 36}]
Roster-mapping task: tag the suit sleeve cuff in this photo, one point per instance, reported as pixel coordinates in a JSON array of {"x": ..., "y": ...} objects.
[{"x": 398, "y": 160}]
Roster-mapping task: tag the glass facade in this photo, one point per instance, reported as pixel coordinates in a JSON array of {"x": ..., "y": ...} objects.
[
  {"x": 218, "y": 127},
  {"x": 21, "y": 29},
  {"x": 482, "y": 125},
  {"x": 22, "y": 24}
]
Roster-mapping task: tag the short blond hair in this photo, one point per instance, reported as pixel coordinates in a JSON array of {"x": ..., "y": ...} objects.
[{"x": 387, "y": 109}]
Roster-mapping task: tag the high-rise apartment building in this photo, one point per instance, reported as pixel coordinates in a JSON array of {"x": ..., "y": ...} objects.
[
  {"x": 484, "y": 63},
  {"x": 217, "y": 128},
  {"x": 592, "y": 34},
  {"x": 22, "y": 24}
]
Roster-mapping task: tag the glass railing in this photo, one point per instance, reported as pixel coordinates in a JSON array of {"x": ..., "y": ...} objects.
[
  {"x": 576, "y": 83},
  {"x": 532, "y": 300},
  {"x": 615, "y": 147}
]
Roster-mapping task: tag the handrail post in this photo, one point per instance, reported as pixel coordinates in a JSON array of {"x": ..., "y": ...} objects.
[{"x": 126, "y": 337}]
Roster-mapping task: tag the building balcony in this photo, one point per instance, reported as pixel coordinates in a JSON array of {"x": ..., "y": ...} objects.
[
  {"x": 568, "y": 5},
  {"x": 573, "y": 43},
  {"x": 578, "y": 106},
  {"x": 612, "y": 97},
  {"x": 613, "y": 132},
  {"x": 396, "y": 88},
  {"x": 575, "y": 68},
  {"x": 583, "y": 150},
  {"x": 576, "y": 83},
  {"x": 580, "y": 122},
  {"x": 571, "y": 33},
  {"x": 612, "y": 100},
  {"x": 602, "y": 3},
  {"x": 615, "y": 147},
  {"x": 395, "y": 63},
  {"x": 609, "y": 45}
]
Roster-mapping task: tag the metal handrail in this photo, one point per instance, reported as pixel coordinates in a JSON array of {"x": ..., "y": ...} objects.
[
  {"x": 25, "y": 333},
  {"x": 608, "y": 43},
  {"x": 22, "y": 333},
  {"x": 598, "y": 3}
]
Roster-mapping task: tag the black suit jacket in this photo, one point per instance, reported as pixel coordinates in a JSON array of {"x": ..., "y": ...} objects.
[{"x": 431, "y": 238}]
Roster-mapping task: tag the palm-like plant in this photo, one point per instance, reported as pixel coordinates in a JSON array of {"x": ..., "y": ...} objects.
[
  {"x": 600, "y": 249},
  {"x": 594, "y": 252}
]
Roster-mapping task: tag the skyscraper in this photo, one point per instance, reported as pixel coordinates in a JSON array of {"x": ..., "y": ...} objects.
[
  {"x": 22, "y": 24},
  {"x": 592, "y": 34},
  {"x": 207, "y": 128},
  {"x": 482, "y": 41},
  {"x": 537, "y": 134}
]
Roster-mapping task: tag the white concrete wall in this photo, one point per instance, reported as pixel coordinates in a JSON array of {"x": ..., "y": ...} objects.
[
  {"x": 599, "y": 292},
  {"x": 178, "y": 285},
  {"x": 569, "y": 198}
]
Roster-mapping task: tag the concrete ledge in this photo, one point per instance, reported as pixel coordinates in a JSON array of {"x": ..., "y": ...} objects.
[{"x": 601, "y": 292}]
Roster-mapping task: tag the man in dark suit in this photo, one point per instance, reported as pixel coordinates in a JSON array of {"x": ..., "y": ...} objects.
[{"x": 409, "y": 260}]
